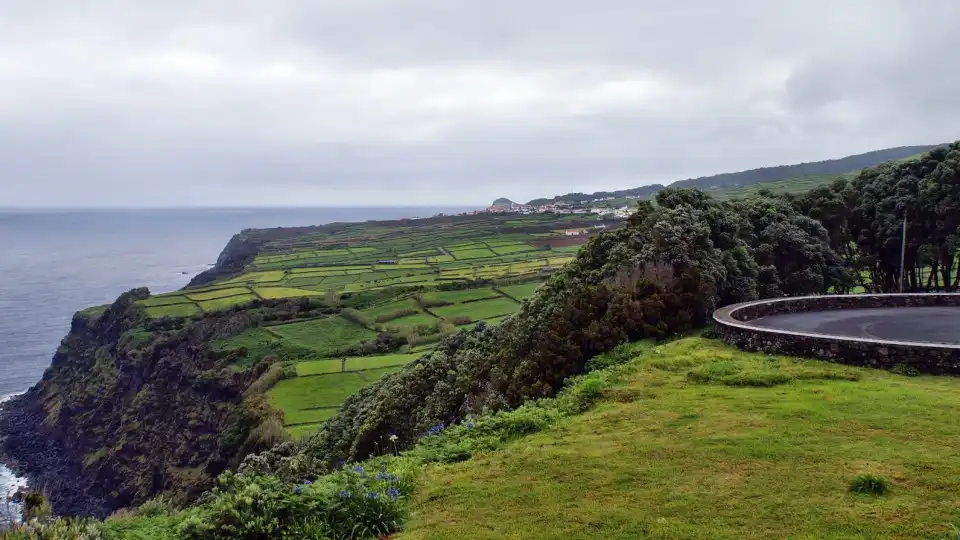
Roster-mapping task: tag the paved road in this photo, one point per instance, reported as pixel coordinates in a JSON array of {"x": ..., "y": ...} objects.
[{"x": 928, "y": 324}]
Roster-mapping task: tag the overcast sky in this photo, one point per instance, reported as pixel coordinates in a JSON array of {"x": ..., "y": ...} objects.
[{"x": 385, "y": 102}]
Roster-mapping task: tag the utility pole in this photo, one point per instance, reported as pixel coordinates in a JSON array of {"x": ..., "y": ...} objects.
[{"x": 903, "y": 249}]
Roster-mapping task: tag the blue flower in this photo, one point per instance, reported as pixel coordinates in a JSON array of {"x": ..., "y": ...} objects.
[
  {"x": 358, "y": 469},
  {"x": 381, "y": 476},
  {"x": 372, "y": 495},
  {"x": 339, "y": 465},
  {"x": 344, "y": 494},
  {"x": 392, "y": 478},
  {"x": 469, "y": 425},
  {"x": 297, "y": 490},
  {"x": 393, "y": 493},
  {"x": 307, "y": 482}
]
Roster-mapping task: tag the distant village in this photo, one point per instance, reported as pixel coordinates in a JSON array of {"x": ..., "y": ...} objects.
[{"x": 599, "y": 207}]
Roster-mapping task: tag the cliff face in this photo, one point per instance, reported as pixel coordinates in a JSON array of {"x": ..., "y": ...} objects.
[{"x": 130, "y": 408}]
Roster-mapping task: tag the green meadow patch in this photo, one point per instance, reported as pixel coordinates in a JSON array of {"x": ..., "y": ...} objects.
[
  {"x": 468, "y": 254},
  {"x": 284, "y": 292},
  {"x": 323, "y": 336},
  {"x": 218, "y": 293},
  {"x": 300, "y": 397},
  {"x": 483, "y": 309},
  {"x": 460, "y": 296},
  {"x": 226, "y": 302},
  {"x": 520, "y": 291},
  {"x": 661, "y": 456},
  {"x": 172, "y": 310}
]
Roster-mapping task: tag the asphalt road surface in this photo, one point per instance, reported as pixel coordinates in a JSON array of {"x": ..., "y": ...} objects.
[{"x": 926, "y": 324}]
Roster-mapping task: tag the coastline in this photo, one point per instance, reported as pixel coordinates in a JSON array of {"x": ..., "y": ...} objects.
[{"x": 10, "y": 482}]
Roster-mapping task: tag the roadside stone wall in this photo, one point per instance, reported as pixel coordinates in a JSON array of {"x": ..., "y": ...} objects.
[{"x": 733, "y": 325}]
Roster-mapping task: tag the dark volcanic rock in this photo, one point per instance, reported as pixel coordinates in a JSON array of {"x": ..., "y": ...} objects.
[{"x": 129, "y": 408}]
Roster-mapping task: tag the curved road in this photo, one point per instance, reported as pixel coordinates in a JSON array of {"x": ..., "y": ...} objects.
[{"x": 926, "y": 324}]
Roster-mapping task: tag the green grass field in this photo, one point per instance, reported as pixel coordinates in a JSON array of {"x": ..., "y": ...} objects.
[
  {"x": 226, "y": 302},
  {"x": 173, "y": 310},
  {"x": 217, "y": 293},
  {"x": 483, "y": 309},
  {"x": 284, "y": 292},
  {"x": 324, "y": 336},
  {"x": 411, "y": 321},
  {"x": 301, "y": 398},
  {"x": 702, "y": 441},
  {"x": 460, "y": 296},
  {"x": 520, "y": 291},
  {"x": 468, "y": 254},
  {"x": 512, "y": 248},
  {"x": 318, "y": 367}
]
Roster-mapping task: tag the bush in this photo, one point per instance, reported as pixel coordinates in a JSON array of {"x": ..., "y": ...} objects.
[
  {"x": 869, "y": 484},
  {"x": 399, "y": 314},
  {"x": 251, "y": 507},
  {"x": 355, "y": 316},
  {"x": 158, "y": 506},
  {"x": 460, "y": 320},
  {"x": 621, "y": 354},
  {"x": 905, "y": 370},
  {"x": 351, "y": 503}
]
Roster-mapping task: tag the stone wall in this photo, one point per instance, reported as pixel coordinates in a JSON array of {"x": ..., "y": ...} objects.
[{"x": 733, "y": 325}]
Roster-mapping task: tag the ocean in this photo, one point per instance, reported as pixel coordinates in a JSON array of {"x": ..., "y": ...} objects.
[{"x": 54, "y": 263}]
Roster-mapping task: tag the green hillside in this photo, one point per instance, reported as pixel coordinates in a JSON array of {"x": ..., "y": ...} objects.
[
  {"x": 699, "y": 440},
  {"x": 781, "y": 179}
]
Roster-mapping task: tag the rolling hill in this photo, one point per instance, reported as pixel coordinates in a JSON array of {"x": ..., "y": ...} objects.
[{"x": 788, "y": 178}]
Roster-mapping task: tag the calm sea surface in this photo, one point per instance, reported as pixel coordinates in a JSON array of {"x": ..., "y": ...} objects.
[{"x": 54, "y": 263}]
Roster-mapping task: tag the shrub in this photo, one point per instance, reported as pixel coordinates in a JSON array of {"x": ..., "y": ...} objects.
[
  {"x": 461, "y": 320},
  {"x": 355, "y": 316},
  {"x": 157, "y": 506},
  {"x": 905, "y": 370},
  {"x": 869, "y": 484},
  {"x": 399, "y": 314},
  {"x": 250, "y": 507},
  {"x": 363, "y": 504},
  {"x": 621, "y": 354}
]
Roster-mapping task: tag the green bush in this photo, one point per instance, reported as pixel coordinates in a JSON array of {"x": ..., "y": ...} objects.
[
  {"x": 905, "y": 370},
  {"x": 252, "y": 508},
  {"x": 869, "y": 484},
  {"x": 621, "y": 354}
]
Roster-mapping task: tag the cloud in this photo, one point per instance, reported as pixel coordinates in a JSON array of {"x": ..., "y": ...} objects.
[{"x": 124, "y": 103}]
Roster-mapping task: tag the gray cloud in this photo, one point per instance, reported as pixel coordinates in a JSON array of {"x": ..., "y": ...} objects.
[{"x": 457, "y": 101}]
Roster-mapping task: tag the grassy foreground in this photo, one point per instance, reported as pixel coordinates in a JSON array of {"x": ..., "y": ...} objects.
[{"x": 700, "y": 440}]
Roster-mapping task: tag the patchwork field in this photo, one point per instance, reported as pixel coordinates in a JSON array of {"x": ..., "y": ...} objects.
[
  {"x": 407, "y": 284},
  {"x": 359, "y": 257}
]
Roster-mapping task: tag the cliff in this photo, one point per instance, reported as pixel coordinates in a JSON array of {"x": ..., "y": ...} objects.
[{"x": 130, "y": 408}]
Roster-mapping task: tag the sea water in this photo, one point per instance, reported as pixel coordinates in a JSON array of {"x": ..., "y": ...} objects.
[{"x": 54, "y": 263}]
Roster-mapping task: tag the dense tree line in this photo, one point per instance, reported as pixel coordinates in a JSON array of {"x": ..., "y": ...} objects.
[{"x": 864, "y": 219}]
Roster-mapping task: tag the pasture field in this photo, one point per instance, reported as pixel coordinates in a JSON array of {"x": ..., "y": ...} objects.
[
  {"x": 460, "y": 296},
  {"x": 520, "y": 291},
  {"x": 411, "y": 321},
  {"x": 476, "y": 253},
  {"x": 323, "y": 336},
  {"x": 397, "y": 272},
  {"x": 217, "y": 293},
  {"x": 483, "y": 309},
  {"x": 226, "y": 302},
  {"x": 313, "y": 399},
  {"x": 173, "y": 310},
  {"x": 512, "y": 248},
  {"x": 166, "y": 300},
  {"x": 284, "y": 292}
]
